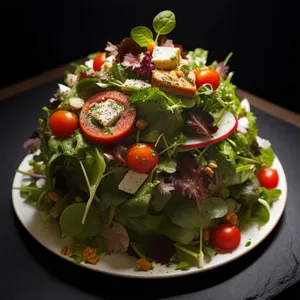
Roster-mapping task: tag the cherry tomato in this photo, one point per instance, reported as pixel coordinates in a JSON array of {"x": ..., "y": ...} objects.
[
  {"x": 142, "y": 158},
  {"x": 207, "y": 76},
  {"x": 268, "y": 178},
  {"x": 225, "y": 238},
  {"x": 151, "y": 46},
  {"x": 63, "y": 123},
  {"x": 102, "y": 135},
  {"x": 99, "y": 61}
]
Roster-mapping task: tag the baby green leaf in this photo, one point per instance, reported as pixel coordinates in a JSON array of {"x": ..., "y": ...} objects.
[
  {"x": 71, "y": 225},
  {"x": 142, "y": 35},
  {"x": 164, "y": 22}
]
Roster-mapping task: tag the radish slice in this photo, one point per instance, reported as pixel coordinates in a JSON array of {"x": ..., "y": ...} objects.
[{"x": 228, "y": 125}]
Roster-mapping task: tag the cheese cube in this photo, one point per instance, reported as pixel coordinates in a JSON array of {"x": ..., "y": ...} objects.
[
  {"x": 132, "y": 182},
  {"x": 107, "y": 112},
  {"x": 134, "y": 84},
  {"x": 166, "y": 57}
]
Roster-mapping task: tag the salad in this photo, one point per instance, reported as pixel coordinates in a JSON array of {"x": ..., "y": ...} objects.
[{"x": 145, "y": 148}]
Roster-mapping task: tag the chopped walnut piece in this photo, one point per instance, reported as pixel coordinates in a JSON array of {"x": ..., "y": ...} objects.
[
  {"x": 90, "y": 256},
  {"x": 66, "y": 251}
]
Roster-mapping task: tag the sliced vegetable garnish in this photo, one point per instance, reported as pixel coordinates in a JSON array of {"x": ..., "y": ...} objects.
[
  {"x": 104, "y": 135},
  {"x": 227, "y": 127}
]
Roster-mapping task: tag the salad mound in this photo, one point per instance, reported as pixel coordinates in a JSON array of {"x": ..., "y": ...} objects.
[{"x": 146, "y": 149}]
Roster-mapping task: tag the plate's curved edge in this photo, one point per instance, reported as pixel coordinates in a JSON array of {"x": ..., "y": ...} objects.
[{"x": 147, "y": 275}]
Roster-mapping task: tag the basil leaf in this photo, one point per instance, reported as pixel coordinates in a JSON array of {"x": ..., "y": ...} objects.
[
  {"x": 164, "y": 22},
  {"x": 142, "y": 35}
]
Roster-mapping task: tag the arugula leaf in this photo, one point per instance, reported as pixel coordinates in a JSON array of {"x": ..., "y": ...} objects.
[
  {"x": 31, "y": 192},
  {"x": 166, "y": 165},
  {"x": 155, "y": 94},
  {"x": 164, "y": 23},
  {"x": 252, "y": 128},
  {"x": 227, "y": 92},
  {"x": 183, "y": 265},
  {"x": 197, "y": 58},
  {"x": 71, "y": 225},
  {"x": 142, "y": 35}
]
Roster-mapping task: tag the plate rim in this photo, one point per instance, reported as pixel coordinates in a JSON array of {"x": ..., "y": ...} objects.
[{"x": 142, "y": 275}]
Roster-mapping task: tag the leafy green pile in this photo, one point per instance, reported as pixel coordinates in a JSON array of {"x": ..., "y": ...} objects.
[{"x": 81, "y": 192}]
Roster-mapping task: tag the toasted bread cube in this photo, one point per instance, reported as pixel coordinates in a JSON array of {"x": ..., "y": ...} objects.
[
  {"x": 169, "y": 82},
  {"x": 166, "y": 57}
]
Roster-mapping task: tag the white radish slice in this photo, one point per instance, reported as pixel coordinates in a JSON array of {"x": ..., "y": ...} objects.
[
  {"x": 245, "y": 105},
  {"x": 228, "y": 125},
  {"x": 63, "y": 88}
]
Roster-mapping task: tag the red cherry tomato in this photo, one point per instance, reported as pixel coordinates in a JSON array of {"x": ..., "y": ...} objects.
[
  {"x": 63, "y": 123},
  {"x": 225, "y": 238},
  {"x": 268, "y": 178},
  {"x": 207, "y": 76},
  {"x": 102, "y": 135},
  {"x": 142, "y": 158},
  {"x": 99, "y": 61}
]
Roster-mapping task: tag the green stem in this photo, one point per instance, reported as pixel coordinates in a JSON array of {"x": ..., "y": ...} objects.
[
  {"x": 249, "y": 160},
  {"x": 111, "y": 215},
  {"x": 138, "y": 134},
  {"x": 138, "y": 252},
  {"x": 158, "y": 139},
  {"x": 187, "y": 251},
  {"x": 221, "y": 116},
  {"x": 22, "y": 172},
  {"x": 227, "y": 58},
  {"x": 200, "y": 260}
]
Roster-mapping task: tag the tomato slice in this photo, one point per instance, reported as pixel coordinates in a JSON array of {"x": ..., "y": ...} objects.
[{"x": 100, "y": 135}]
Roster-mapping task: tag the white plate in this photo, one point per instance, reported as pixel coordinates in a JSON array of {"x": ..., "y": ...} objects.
[{"x": 123, "y": 265}]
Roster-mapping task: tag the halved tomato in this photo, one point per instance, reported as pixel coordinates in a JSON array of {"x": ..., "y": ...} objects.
[{"x": 100, "y": 135}]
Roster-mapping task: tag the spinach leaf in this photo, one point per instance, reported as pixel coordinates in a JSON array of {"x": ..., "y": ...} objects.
[
  {"x": 108, "y": 193},
  {"x": 141, "y": 226},
  {"x": 243, "y": 173},
  {"x": 170, "y": 124},
  {"x": 182, "y": 211},
  {"x": 93, "y": 168},
  {"x": 247, "y": 192},
  {"x": 261, "y": 211},
  {"x": 164, "y": 22},
  {"x": 138, "y": 204},
  {"x": 142, "y": 35},
  {"x": 87, "y": 87},
  {"x": 71, "y": 225},
  {"x": 177, "y": 233},
  {"x": 266, "y": 157},
  {"x": 117, "y": 73}
]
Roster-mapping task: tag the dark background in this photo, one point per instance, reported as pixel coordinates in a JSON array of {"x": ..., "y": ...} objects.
[{"x": 263, "y": 35}]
